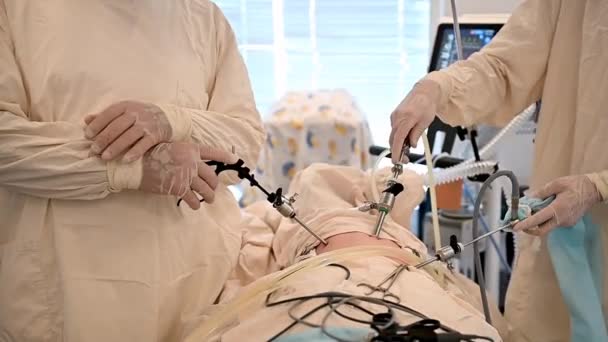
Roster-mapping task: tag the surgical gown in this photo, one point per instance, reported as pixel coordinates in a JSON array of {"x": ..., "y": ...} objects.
[
  {"x": 79, "y": 260},
  {"x": 554, "y": 51}
]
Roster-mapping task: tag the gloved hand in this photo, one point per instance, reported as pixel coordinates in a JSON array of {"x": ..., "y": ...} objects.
[
  {"x": 128, "y": 125},
  {"x": 413, "y": 115},
  {"x": 179, "y": 169},
  {"x": 575, "y": 195}
]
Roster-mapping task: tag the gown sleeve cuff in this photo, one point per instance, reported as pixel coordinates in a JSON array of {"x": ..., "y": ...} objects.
[
  {"x": 600, "y": 180},
  {"x": 123, "y": 176},
  {"x": 445, "y": 84},
  {"x": 450, "y": 88},
  {"x": 181, "y": 122}
]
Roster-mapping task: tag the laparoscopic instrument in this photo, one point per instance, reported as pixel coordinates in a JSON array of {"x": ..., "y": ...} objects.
[
  {"x": 444, "y": 254},
  {"x": 386, "y": 203},
  {"x": 281, "y": 203}
]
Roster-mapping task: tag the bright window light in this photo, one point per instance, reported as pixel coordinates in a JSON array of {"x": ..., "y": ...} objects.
[{"x": 375, "y": 49}]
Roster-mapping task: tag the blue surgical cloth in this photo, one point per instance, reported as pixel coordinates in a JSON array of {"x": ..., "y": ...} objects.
[
  {"x": 317, "y": 335},
  {"x": 576, "y": 255}
]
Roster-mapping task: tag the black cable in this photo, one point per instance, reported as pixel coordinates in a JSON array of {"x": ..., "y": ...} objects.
[
  {"x": 343, "y": 302},
  {"x": 342, "y": 267},
  {"x": 472, "y": 338},
  {"x": 344, "y": 295},
  {"x": 472, "y": 137},
  {"x": 352, "y": 318},
  {"x": 324, "y": 324},
  {"x": 328, "y": 295},
  {"x": 289, "y": 300},
  {"x": 267, "y": 301},
  {"x": 300, "y": 320},
  {"x": 377, "y": 301},
  {"x": 335, "y": 295},
  {"x": 329, "y": 303},
  {"x": 294, "y": 323},
  {"x": 476, "y": 215}
]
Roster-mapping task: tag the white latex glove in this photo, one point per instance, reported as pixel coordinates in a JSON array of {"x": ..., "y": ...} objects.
[
  {"x": 127, "y": 126},
  {"x": 575, "y": 195},
  {"x": 179, "y": 169},
  {"x": 413, "y": 115}
]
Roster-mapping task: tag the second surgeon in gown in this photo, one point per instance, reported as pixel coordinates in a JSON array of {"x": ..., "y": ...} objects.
[
  {"x": 554, "y": 50},
  {"x": 92, "y": 247}
]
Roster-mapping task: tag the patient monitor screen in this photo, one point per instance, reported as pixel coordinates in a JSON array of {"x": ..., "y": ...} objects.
[{"x": 474, "y": 37}]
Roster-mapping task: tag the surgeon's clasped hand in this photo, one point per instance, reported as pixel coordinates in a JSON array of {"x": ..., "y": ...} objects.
[
  {"x": 413, "y": 115},
  {"x": 575, "y": 195},
  {"x": 127, "y": 127},
  {"x": 179, "y": 169}
]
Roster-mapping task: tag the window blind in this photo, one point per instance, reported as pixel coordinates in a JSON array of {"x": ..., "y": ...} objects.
[{"x": 375, "y": 49}]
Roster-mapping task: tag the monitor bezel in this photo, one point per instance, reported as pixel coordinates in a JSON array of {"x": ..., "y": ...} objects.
[{"x": 444, "y": 26}]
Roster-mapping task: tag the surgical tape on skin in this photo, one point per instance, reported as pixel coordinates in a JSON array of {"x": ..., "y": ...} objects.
[
  {"x": 123, "y": 176},
  {"x": 181, "y": 123}
]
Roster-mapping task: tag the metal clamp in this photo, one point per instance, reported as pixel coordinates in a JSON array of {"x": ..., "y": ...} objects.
[
  {"x": 284, "y": 206},
  {"x": 386, "y": 203},
  {"x": 447, "y": 253},
  {"x": 281, "y": 203},
  {"x": 367, "y": 206}
]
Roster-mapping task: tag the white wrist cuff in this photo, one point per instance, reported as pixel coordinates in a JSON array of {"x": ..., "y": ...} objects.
[
  {"x": 124, "y": 176},
  {"x": 180, "y": 121},
  {"x": 601, "y": 183}
]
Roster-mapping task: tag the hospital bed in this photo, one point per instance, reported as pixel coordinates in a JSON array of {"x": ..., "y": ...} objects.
[{"x": 276, "y": 262}]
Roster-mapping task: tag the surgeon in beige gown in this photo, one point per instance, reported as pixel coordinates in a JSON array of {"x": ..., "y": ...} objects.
[
  {"x": 93, "y": 246},
  {"x": 554, "y": 50}
]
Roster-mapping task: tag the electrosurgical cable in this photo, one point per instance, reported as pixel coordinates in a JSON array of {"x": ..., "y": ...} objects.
[
  {"x": 486, "y": 228},
  {"x": 336, "y": 299},
  {"x": 343, "y": 302},
  {"x": 333, "y": 298},
  {"x": 477, "y": 215},
  {"x": 344, "y": 268},
  {"x": 296, "y": 322},
  {"x": 259, "y": 290},
  {"x": 332, "y": 294},
  {"x": 364, "y": 310},
  {"x": 291, "y": 314}
]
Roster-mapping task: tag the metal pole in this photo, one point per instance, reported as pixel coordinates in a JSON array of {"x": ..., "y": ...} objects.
[{"x": 459, "y": 48}]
